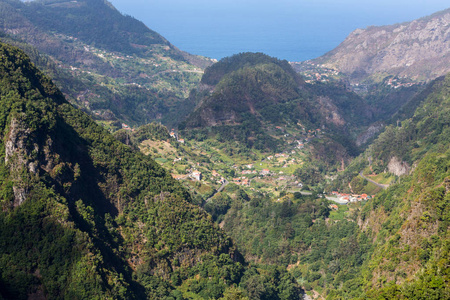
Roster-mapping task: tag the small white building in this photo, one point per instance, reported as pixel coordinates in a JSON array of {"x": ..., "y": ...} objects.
[
  {"x": 265, "y": 172},
  {"x": 196, "y": 175}
]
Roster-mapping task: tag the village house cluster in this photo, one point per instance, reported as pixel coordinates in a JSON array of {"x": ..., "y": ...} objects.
[
  {"x": 318, "y": 73},
  {"x": 241, "y": 181},
  {"x": 196, "y": 175},
  {"x": 397, "y": 83},
  {"x": 174, "y": 135},
  {"x": 215, "y": 174},
  {"x": 268, "y": 171},
  {"x": 351, "y": 197}
]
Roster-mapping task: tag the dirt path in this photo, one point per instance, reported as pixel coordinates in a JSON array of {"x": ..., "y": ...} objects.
[{"x": 175, "y": 71}]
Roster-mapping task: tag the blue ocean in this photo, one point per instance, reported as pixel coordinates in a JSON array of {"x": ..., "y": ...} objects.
[{"x": 286, "y": 29}]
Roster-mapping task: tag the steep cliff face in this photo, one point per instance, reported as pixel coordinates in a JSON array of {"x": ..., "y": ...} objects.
[
  {"x": 397, "y": 167},
  {"x": 419, "y": 50},
  {"x": 17, "y": 158}
]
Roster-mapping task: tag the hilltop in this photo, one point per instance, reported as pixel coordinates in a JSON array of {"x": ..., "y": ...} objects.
[
  {"x": 249, "y": 97},
  {"x": 248, "y": 83}
]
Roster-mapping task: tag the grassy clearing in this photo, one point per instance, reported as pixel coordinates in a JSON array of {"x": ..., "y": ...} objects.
[
  {"x": 383, "y": 178},
  {"x": 371, "y": 189},
  {"x": 340, "y": 214}
]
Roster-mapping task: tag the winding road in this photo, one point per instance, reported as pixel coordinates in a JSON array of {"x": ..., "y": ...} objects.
[
  {"x": 383, "y": 186},
  {"x": 219, "y": 190}
]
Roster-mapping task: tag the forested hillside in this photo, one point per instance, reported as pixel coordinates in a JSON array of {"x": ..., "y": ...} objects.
[
  {"x": 106, "y": 63},
  {"x": 409, "y": 222},
  {"x": 419, "y": 127},
  {"x": 85, "y": 217},
  {"x": 247, "y": 83}
]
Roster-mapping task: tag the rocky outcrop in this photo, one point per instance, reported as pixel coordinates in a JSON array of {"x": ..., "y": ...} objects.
[
  {"x": 26, "y": 158},
  {"x": 330, "y": 111},
  {"x": 398, "y": 167},
  {"x": 17, "y": 158},
  {"x": 419, "y": 50},
  {"x": 210, "y": 117},
  {"x": 371, "y": 132}
]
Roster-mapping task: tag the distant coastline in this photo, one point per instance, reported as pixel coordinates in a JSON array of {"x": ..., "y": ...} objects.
[{"x": 292, "y": 31}]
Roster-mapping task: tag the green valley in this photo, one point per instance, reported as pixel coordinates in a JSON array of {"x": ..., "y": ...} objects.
[
  {"x": 266, "y": 207},
  {"x": 84, "y": 216},
  {"x": 130, "y": 169}
]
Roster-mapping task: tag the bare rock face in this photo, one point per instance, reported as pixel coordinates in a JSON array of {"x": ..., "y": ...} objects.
[
  {"x": 398, "y": 167},
  {"x": 215, "y": 118},
  {"x": 22, "y": 152},
  {"x": 17, "y": 157},
  {"x": 330, "y": 112},
  {"x": 369, "y": 133},
  {"x": 27, "y": 157},
  {"x": 419, "y": 50}
]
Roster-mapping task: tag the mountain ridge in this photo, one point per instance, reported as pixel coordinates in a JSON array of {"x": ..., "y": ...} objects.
[
  {"x": 418, "y": 49},
  {"x": 124, "y": 71}
]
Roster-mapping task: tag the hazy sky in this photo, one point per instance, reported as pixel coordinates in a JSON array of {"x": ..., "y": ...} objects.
[{"x": 288, "y": 29}]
